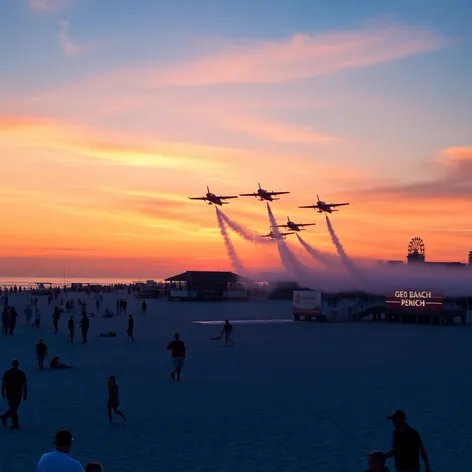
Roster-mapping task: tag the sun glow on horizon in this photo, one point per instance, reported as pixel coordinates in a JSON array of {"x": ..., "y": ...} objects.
[{"x": 97, "y": 167}]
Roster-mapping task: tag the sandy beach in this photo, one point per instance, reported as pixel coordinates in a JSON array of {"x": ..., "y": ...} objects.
[{"x": 288, "y": 396}]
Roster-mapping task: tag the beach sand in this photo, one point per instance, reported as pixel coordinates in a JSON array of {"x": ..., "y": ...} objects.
[{"x": 292, "y": 396}]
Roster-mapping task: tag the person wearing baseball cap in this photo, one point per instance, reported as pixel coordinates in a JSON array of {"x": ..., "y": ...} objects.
[
  {"x": 407, "y": 445},
  {"x": 60, "y": 460}
]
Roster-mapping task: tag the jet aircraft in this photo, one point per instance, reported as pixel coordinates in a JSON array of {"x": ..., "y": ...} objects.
[
  {"x": 276, "y": 236},
  {"x": 263, "y": 194},
  {"x": 295, "y": 226},
  {"x": 324, "y": 207},
  {"x": 213, "y": 199}
]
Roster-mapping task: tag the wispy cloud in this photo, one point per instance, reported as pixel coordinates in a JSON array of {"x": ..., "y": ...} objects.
[
  {"x": 454, "y": 166},
  {"x": 68, "y": 46},
  {"x": 48, "y": 5},
  {"x": 303, "y": 56}
]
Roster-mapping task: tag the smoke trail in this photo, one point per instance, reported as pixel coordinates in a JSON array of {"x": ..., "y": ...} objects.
[
  {"x": 315, "y": 253},
  {"x": 348, "y": 264},
  {"x": 289, "y": 261},
  {"x": 235, "y": 261},
  {"x": 245, "y": 233}
]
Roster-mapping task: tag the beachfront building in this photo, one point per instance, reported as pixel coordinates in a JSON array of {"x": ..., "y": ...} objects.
[{"x": 207, "y": 285}]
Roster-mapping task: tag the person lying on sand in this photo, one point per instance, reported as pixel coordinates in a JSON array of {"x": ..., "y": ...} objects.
[
  {"x": 108, "y": 314},
  {"x": 110, "y": 334},
  {"x": 56, "y": 364}
]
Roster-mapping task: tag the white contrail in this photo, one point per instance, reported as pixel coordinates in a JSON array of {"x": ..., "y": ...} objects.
[
  {"x": 315, "y": 253},
  {"x": 348, "y": 264},
  {"x": 289, "y": 260},
  {"x": 244, "y": 232},
  {"x": 235, "y": 261}
]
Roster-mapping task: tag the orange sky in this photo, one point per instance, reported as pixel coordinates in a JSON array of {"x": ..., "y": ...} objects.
[{"x": 97, "y": 167}]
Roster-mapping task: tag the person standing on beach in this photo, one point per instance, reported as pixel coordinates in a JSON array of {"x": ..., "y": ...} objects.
[
  {"x": 178, "y": 355},
  {"x": 5, "y": 319},
  {"x": 13, "y": 317},
  {"x": 407, "y": 445},
  {"x": 28, "y": 315},
  {"x": 37, "y": 319},
  {"x": 71, "y": 327},
  {"x": 55, "y": 319},
  {"x": 84, "y": 326},
  {"x": 130, "y": 327},
  {"x": 60, "y": 460},
  {"x": 41, "y": 353},
  {"x": 144, "y": 307},
  {"x": 113, "y": 399},
  {"x": 228, "y": 331},
  {"x": 14, "y": 388}
]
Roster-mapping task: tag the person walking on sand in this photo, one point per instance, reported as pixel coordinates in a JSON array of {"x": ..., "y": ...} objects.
[
  {"x": 131, "y": 327},
  {"x": 407, "y": 445},
  {"x": 71, "y": 327},
  {"x": 177, "y": 347},
  {"x": 14, "y": 388},
  {"x": 113, "y": 399},
  {"x": 60, "y": 460},
  {"x": 228, "y": 331},
  {"x": 144, "y": 307},
  {"x": 37, "y": 319},
  {"x": 41, "y": 353}
]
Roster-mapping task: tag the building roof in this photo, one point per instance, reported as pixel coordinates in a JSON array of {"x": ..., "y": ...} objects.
[{"x": 202, "y": 276}]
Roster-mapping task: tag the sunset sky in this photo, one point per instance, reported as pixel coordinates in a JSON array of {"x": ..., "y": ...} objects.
[{"x": 113, "y": 112}]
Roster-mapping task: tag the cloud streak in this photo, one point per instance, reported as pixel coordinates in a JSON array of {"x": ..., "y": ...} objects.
[
  {"x": 454, "y": 180},
  {"x": 303, "y": 56},
  {"x": 48, "y": 5},
  {"x": 68, "y": 46}
]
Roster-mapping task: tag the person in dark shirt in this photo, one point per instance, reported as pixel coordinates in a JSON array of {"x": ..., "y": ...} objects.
[
  {"x": 113, "y": 399},
  {"x": 407, "y": 445},
  {"x": 130, "y": 327},
  {"x": 41, "y": 353},
  {"x": 13, "y": 389},
  {"x": 178, "y": 356},
  {"x": 144, "y": 307}
]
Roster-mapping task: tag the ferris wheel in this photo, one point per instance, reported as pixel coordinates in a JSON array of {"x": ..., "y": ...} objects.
[{"x": 416, "y": 249}]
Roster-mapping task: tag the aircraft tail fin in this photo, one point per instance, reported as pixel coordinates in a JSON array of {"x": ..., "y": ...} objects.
[{"x": 208, "y": 189}]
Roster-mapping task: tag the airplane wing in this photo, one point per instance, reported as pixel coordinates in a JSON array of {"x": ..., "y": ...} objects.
[
  {"x": 286, "y": 234},
  {"x": 266, "y": 236},
  {"x": 225, "y": 197},
  {"x": 309, "y": 206},
  {"x": 277, "y": 193},
  {"x": 197, "y": 198},
  {"x": 254, "y": 194},
  {"x": 282, "y": 226},
  {"x": 337, "y": 204},
  {"x": 307, "y": 224}
]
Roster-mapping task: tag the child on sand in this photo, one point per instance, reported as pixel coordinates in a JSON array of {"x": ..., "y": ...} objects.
[{"x": 113, "y": 400}]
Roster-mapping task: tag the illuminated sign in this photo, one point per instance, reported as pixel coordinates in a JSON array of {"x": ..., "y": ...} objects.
[
  {"x": 306, "y": 302},
  {"x": 412, "y": 300}
]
